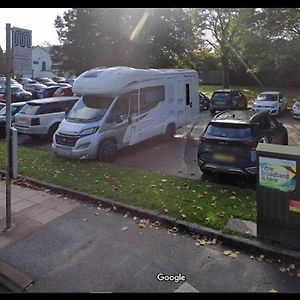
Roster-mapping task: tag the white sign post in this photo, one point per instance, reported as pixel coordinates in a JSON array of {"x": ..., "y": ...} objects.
[{"x": 21, "y": 51}]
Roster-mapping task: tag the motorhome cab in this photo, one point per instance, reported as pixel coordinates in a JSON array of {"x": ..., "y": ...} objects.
[{"x": 122, "y": 106}]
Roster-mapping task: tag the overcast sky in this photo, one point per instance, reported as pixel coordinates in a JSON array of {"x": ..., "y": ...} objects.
[{"x": 39, "y": 20}]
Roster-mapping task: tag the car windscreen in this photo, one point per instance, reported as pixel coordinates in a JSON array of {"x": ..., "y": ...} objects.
[
  {"x": 221, "y": 96},
  {"x": 224, "y": 130},
  {"x": 14, "y": 109},
  {"x": 30, "y": 108},
  {"x": 267, "y": 97},
  {"x": 90, "y": 109}
]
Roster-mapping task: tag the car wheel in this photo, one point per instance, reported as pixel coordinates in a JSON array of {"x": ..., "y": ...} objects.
[
  {"x": 285, "y": 139},
  {"x": 51, "y": 131},
  {"x": 107, "y": 150},
  {"x": 170, "y": 131},
  {"x": 212, "y": 111}
]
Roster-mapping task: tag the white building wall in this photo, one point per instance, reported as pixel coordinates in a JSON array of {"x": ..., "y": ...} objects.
[{"x": 40, "y": 56}]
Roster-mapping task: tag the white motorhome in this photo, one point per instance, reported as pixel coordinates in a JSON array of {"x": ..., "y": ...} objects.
[{"x": 121, "y": 106}]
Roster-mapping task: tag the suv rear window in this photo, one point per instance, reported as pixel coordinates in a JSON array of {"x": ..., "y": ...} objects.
[
  {"x": 221, "y": 95},
  {"x": 229, "y": 131},
  {"x": 30, "y": 109}
]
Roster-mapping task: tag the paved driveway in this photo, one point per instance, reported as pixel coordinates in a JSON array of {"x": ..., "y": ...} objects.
[{"x": 177, "y": 157}]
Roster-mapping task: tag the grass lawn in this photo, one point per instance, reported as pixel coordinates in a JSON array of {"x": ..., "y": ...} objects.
[
  {"x": 194, "y": 201},
  {"x": 252, "y": 92}
]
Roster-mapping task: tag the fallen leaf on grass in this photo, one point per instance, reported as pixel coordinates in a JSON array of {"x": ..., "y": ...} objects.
[
  {"x": 183, "y": 216},
  {"x": 165, "y": 210},
  {"x": 124, "y": 228}
]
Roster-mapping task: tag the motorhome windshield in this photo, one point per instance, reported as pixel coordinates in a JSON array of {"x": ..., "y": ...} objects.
[{"x": 89, "y": 109}]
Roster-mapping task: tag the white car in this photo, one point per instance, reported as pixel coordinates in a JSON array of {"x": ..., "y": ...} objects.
[
  {"x": 273, "y": 102},
  {"x": 296, "y": 109}
]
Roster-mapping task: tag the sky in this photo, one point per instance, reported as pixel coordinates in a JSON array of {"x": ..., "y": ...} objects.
[{"x": 39, "y": 20}]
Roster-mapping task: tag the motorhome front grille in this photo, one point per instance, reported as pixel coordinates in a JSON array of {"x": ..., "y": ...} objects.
[{"x": 66, "y": 140}]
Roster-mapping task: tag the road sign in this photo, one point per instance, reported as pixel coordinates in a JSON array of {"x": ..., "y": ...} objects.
[{"x": 21, "y": 51}]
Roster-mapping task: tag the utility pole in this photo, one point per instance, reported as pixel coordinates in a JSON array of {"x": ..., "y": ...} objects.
[{"x": 8, "y": 126}]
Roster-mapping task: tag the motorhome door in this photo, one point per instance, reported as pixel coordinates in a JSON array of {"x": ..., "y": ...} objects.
[{"x": 188, "y": 100}]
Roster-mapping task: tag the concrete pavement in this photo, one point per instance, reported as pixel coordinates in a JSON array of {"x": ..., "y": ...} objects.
[{"x": 72, "y": 246}]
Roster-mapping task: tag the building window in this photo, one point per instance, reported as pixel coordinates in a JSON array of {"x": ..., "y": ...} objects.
[{"x": 43, "y": 66}]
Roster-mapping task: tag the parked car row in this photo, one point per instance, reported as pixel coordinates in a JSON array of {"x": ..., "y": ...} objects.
[{"x": 273, "y": 102}]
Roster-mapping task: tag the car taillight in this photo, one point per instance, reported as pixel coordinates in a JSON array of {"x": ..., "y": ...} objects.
[
  {"x": 252, "y": 144},
  {"x": 35, "y": 121}
]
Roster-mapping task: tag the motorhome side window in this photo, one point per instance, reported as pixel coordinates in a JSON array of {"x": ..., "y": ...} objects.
[{"x": 150, "y": 97}]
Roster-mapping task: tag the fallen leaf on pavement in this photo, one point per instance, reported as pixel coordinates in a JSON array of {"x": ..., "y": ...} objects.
[
  {"x": 260, "y": 258},
  {"x": 124, "y": 228},
  {"x": 248, "y": 232},
  {"x": 201, "y": 242},
  {"x": 298, "y": 274},
  {"x": 134, "y": 218},
  {"x": 292, "y": 266},
  {"x": 173, "y": 230},
  {"x": 96, "y": 213},
  {"x": 227, "y": 252},
  {"x": 125, "y": 216},
  {"x": 273, "y": 291},
  {"x": 282, "y": 269},
  {"x": 84, "y": 220}
]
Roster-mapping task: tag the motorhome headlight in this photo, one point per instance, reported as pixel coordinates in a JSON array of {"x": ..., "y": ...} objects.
[{"x": 88, "y": 131}]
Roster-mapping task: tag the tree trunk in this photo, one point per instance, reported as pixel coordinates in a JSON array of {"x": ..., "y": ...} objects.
[{"x": 225, "y": 72}]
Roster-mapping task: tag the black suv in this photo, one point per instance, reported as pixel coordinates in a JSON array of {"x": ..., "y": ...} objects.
[
  {"x": 228, "y": 144},
  {"x": 227, "y": 99}
]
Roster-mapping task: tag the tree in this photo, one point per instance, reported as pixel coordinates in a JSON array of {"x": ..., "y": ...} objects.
[
  {"x": 222, "y": 23},
  {"x": 133, "y": 37}
]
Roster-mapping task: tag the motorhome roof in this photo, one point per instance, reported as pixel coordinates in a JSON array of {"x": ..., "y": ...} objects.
[{"x": 113, "y": 80}]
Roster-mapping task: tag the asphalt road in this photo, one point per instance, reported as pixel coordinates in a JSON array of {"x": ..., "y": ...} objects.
[
  {"x": 91, "y": 250},
  {"x": 178, "y": 156}
]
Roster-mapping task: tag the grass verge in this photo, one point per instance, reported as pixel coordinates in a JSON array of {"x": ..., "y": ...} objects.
[{"x": 194, "y": 201}]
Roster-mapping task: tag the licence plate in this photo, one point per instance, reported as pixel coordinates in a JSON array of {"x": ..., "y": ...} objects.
[
  {"x": 224, "y": 157},
  {"x": 220, "y": 102},
  {"x": 22, "y": 120}
]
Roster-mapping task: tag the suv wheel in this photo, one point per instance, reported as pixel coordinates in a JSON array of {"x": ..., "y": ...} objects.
[
  {"x": 107, "y": 151},
  {"x": 285, "y": 139},
  {"x": 51, "y": 131}
]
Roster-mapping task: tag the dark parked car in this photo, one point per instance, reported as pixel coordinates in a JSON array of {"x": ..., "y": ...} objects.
[
  {"x": 15, "y": 107},
  {"x": 203, "y": 101},
  {"x": 34, "y": 88},
  {"x": 229, "y": 141},
  {"x": 63, "y": 91},
  {"x": 48, "y": 91},
  {"x": 18, "y": 94},
  {"x": 227, "y": 100}
]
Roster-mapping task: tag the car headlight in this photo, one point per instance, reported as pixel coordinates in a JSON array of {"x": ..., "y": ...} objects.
[{"x": 88, "y": 131}]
